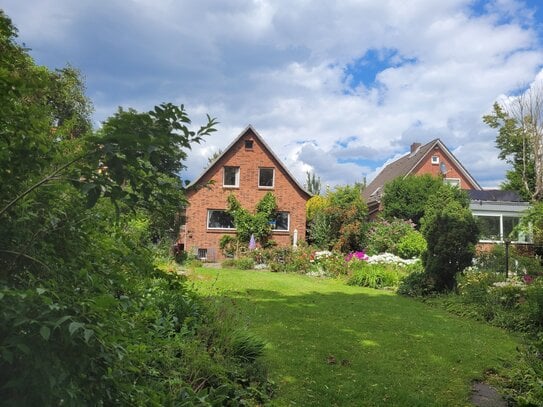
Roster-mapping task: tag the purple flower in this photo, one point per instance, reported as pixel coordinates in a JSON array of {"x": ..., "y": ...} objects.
[
  {"x": 360, "y": 255},
  {"x": 252, "y": 243}
]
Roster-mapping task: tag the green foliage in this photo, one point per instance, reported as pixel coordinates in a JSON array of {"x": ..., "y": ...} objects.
[
  {"x": 412, "y": 244},
  {"x": 244, "y": 263},
  {"x": 85, "y": 316},
  {"x": 519, "y": 263},
  {"x": 377, "y": 275},
  {"x": 451, "y": 234},
  {"x": 406, "y": 198},
  {"x": 385, "y": 235},
  {"x": 532, "y": 222},
  {"x": 257, "y": 224},
  {"x": 416, "y": 284},
  {"x": 320, "y": 232},
  {"x": 290, "y": 260},
  {"x": 339, "y": 221},
  {"x": 228, "y": 245},
  {"x": 516, "y": 148},
  {"x": 315, "y": 205}
]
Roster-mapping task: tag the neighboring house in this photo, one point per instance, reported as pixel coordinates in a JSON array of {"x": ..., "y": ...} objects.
[
  {"x": 497, "y": 212},
  {"x": 249, "y": 169},
  {"x": 432, "y": 158}
]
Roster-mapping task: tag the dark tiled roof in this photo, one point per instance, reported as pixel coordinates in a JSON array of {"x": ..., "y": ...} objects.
[
  {"x": 494, "y": 195},
  {"x": 405, "y": 165},
  {"x": 398, "y": 168}
]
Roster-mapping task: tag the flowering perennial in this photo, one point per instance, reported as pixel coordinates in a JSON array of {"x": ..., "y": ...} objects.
[{"x": 360, "y": 255}]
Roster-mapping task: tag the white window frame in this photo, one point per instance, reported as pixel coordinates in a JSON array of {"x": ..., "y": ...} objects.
[
  {"x": 236, "y": 184},
  {"x": 273, "y": 177},
  {"x": 288, "y": 223},
  {"x": 435, "y": 159},
  {"x": 209, "y": 211},
  {"x": 500, "y": 216},
  {"x": 456, "y": 182}
]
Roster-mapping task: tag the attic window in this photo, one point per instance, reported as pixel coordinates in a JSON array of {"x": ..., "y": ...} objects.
[
  {"x": 266, "y": 178},
  {"x": 435, "y": 159},
  {"x": 231, "y": 177},
  {"x": 248, "y": 144}
]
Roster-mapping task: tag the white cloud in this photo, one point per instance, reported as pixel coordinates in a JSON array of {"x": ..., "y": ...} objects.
[{"x": 281, "y": 66}]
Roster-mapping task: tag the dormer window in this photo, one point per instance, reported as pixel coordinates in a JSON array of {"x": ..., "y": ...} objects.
[
  {"x": 435, "y": 159},
  {"x": 249, "y": 144},
  {"x": 231, "y": 177},
  {"x": 266, "y": 178}
]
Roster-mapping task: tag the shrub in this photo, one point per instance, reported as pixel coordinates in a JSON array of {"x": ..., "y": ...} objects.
[
  {"x": 494, "y": 260},
  {"x": 412, "y": 244},
  {"x": 384, "y": 235},
  {"x": 416, "y": 284},
  {"x": 228, "y": 245},
  {"x": 377, "y": 276},
  {"x": 473, "y": 285},
  {"x": 245, "y": 263},
  {"x": 334, "y": 264},
  {"x": 534, "y": 297},
  {"x": 229, "y": 264},
  {"x": 451, "y": 234}
]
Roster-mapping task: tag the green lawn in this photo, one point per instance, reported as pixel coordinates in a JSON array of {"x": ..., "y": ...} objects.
[{"x": 329, "y": 344}]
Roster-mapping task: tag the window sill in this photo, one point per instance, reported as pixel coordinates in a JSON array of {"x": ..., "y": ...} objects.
[
  {"x": 267, "y": 188},
  {"x": 230, "y": 186}
]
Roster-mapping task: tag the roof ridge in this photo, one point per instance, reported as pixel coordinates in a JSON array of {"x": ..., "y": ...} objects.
[{"x": 266, "y": 146}]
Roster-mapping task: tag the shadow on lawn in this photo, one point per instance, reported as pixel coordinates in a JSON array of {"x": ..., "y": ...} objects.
[
  {"x": 344, "y": 346},
  {"x": 363, "y": 321}
]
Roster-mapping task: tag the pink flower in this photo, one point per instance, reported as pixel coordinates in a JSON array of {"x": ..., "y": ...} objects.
[
  {"x": 360, "y": 255},
  {"x": 528, "y": 279}
]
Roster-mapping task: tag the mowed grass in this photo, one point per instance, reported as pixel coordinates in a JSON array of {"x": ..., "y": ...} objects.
[{"x": 329, "y": 344}]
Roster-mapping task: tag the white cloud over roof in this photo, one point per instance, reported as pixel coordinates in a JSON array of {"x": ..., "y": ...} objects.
[{"x": 337, "y": 87}]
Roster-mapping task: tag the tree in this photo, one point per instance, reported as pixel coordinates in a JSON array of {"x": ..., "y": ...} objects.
[
  {"x": 406, "y": 198},
  {"x": 313, "y": 183},
  {"x": 213, "y": 157},
  {"x": 451, "y": 234},
  {"x": 520, "y": 141},
  {"x": 86, "y": 317},
  {"x": 339, "y": 221}
]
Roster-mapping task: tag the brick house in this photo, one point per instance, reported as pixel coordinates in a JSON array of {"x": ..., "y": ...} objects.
[
  {"x": 249, "y": 169},
  {"x": 433, "y": 158}
]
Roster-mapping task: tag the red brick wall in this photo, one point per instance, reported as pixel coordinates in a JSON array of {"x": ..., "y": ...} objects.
[
  {"x": 426, "y": 167},
  {"x": 288, "y": 195}
]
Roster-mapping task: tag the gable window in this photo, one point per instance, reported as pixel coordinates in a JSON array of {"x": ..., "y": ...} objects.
[
  {"x": 249, "y": 144},
  {"x": 281, "y": 222},
  {"x": 231, "y": 177},
  {"x": 435, "y": 159},
  {"x": 455, "y": 182},
  {"x": 219, "y": 219},
  {"x": 266, "y": 177}
]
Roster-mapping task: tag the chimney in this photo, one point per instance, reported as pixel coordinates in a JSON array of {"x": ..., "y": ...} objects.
[{"x": 414, "y": 147}]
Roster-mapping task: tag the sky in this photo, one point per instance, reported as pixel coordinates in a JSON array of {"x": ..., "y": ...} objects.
[{"x": 339, "y": 88}]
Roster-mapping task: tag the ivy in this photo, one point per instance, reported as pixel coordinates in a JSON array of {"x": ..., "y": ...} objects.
[{"x": 257, "y": 224}]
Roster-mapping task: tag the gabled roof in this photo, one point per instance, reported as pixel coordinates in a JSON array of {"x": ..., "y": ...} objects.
[
  {"x": 266, "y": 147},
  {"x": 405, "y": 166}
]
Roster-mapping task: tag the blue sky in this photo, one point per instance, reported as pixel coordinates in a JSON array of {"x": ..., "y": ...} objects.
[{"x": 340, "y": 88}]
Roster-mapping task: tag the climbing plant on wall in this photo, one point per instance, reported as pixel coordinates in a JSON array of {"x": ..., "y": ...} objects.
[{"x": 258, "y": 224}]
